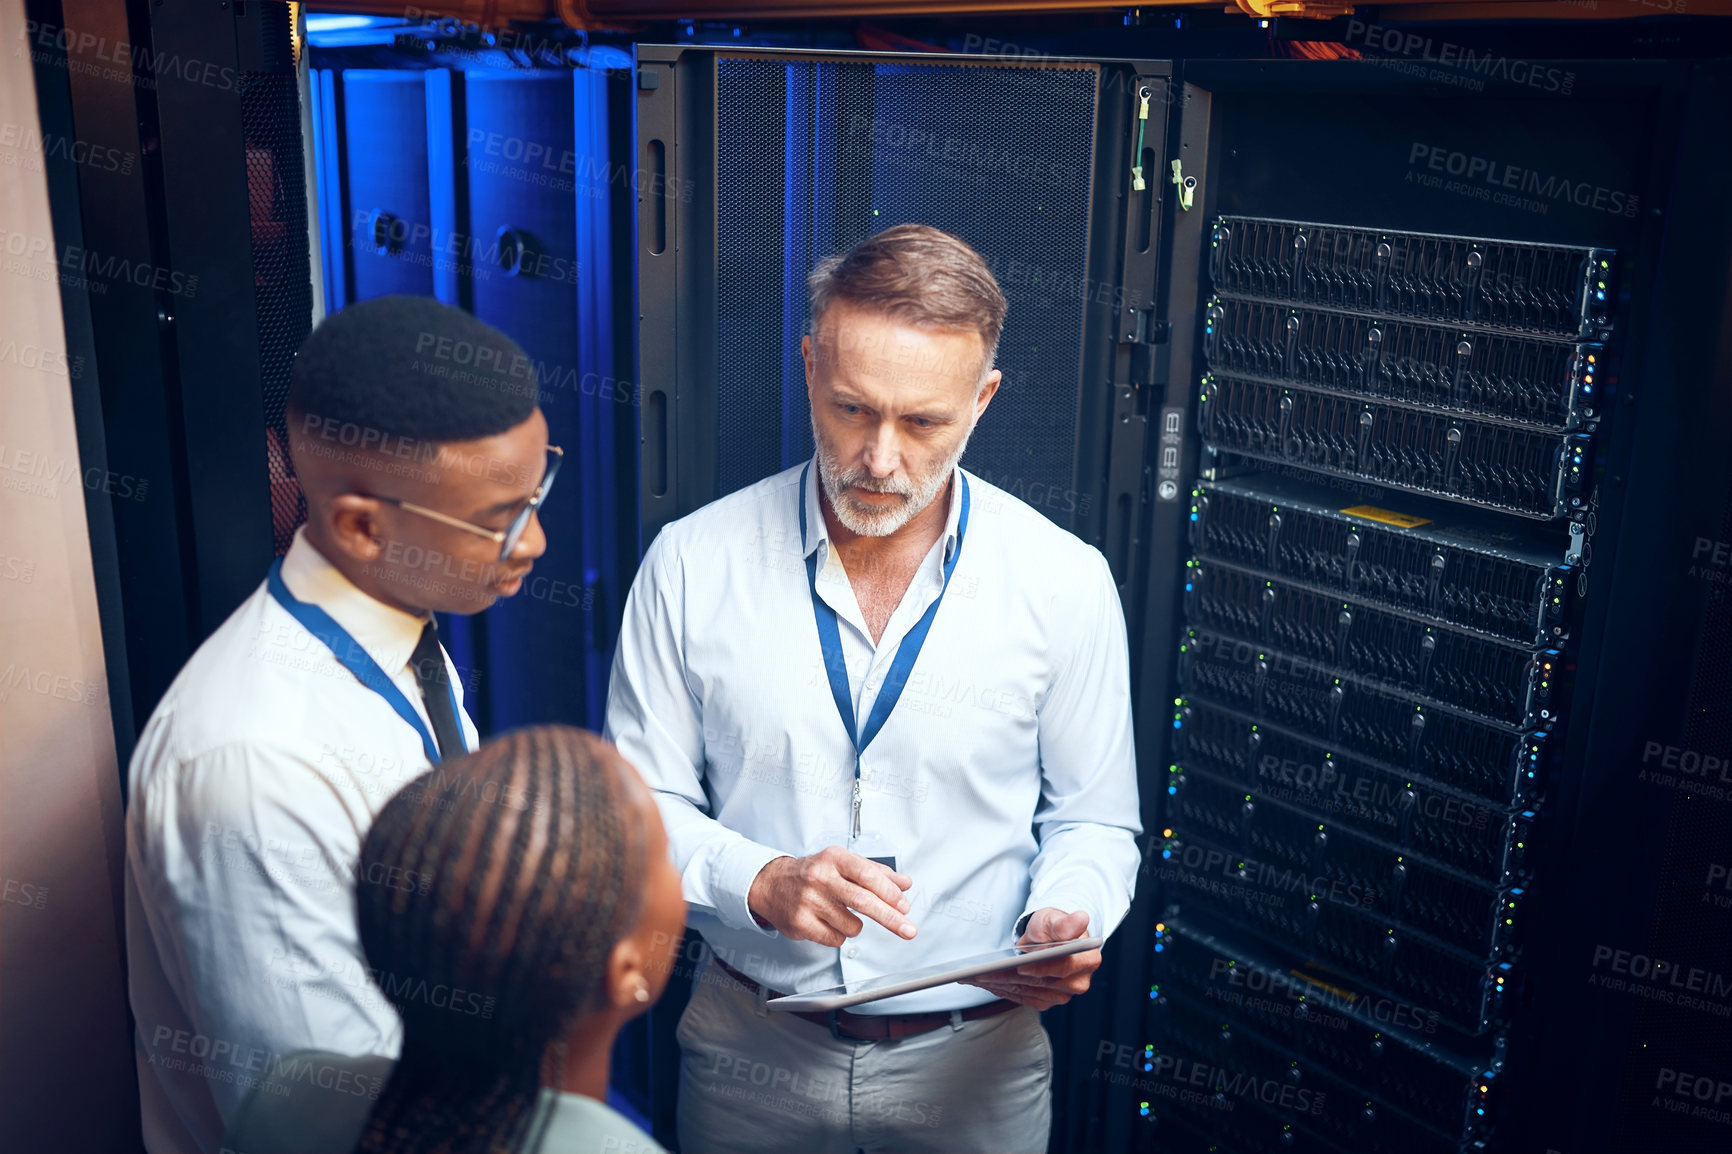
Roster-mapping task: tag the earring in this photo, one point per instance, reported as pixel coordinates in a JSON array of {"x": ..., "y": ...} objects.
[{"x": 642, "y": 993}]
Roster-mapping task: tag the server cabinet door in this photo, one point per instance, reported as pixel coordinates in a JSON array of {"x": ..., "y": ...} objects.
[
  {"x": 521, "y": 244},
  {"x": 387, "y": 224},
  {"x": 760, "y": 164}
]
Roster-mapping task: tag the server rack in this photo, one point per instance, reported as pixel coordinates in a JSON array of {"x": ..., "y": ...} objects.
[
  {"x": 1397, "y": 667},
  {"x": 1387, "y": 414}
]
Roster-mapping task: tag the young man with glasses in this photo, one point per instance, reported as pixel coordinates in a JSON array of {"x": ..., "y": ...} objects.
[{"x": 424, "y": 459}]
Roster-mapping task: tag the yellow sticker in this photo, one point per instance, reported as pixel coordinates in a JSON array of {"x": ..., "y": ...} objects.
[
  {"x": 1373, "y": 513},
  {"x": 1347, "y": 996}
]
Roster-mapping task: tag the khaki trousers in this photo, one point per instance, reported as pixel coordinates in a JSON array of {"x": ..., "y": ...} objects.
[{"x": 758, "y": 1081}]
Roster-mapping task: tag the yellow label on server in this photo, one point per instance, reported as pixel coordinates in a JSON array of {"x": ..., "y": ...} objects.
[
  {"x": 1388, "y": 517},
  {"x": 1345, "y": 995}
]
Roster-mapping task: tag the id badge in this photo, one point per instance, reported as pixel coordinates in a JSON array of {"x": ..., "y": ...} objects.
[
  {"x": 872, "y": 844},
  {"x": 875, "y": 845}
]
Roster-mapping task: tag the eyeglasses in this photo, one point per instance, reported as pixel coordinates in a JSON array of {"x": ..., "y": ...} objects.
[{"x": 508, "y": 536}]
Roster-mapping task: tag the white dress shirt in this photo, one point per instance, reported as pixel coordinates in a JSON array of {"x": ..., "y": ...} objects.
[
  {"x": 253, "y": 784},
  {"x": 1003, "y": 782}
]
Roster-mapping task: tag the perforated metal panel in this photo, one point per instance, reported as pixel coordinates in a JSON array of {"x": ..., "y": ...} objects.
[
  {"x": 282, "y": 284},
  {"x": 815, "y": 155}
]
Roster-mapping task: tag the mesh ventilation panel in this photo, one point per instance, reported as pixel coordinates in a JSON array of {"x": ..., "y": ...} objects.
[
  {"x": 814, "y": 156},
  {"x": 282, "y": 276}
]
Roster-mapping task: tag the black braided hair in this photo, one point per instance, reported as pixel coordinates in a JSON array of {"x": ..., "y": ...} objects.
[{"x": 490, "y": 894}]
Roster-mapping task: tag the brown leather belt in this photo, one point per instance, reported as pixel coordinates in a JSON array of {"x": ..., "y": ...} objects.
[{"x": 851, "y": 1027}]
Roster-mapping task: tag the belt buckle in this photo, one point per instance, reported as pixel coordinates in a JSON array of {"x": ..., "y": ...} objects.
[{"x": 836, "y": 1027}]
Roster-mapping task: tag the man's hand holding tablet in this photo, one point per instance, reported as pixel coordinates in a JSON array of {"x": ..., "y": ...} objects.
[
  {"x": 820, "y": 899},
  {"x": 1044, "y": 985},
  {"x": 817, "y": 898}
]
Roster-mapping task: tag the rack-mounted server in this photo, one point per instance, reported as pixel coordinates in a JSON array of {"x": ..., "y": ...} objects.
[
  {"x": 1534, "y": 473},
  {"x": 1356, "y": 715},
  {"x": 1523, "y": 378},
  {"x": 1500, "y": 284},
  {"x": 1459, "y": 570},
  {"x": 1499, "y": 680},
  {"x": 1367, "y": 693},
  {"x": 1260, "y": 1056},
  {"x": 1481, "y": 831}
]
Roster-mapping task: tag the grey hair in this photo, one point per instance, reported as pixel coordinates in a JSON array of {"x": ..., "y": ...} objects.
[{"x": 916, "y": 274}]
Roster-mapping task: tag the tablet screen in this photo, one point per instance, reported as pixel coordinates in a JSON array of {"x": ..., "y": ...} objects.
[
  {"x": 867, "y": 985},
  {"x": 939, "y": 973}
]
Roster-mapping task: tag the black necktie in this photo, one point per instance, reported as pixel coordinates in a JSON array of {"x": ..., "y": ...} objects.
[{"x": 428, "y": 662}]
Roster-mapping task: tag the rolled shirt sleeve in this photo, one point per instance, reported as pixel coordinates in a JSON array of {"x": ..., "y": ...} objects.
[
  {"x": 654, "y": 719},
  {"x": 1088, "y": 813}
]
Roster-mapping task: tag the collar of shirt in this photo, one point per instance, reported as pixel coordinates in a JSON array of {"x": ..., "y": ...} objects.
[
  {"x": 388, "y": 635},
  {"x": 833, "y": 583}
]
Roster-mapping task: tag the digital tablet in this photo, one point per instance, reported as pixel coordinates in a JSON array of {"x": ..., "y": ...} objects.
[{"x": 907, "y": 981}]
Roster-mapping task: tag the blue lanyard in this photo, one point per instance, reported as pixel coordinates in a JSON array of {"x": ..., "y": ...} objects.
[
  {"x": 830, "y": 643},
  {"x": 355, "y": 659}
]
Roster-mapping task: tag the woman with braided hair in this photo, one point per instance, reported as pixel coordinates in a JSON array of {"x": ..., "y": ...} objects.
[{"x": 517, "y": 906}]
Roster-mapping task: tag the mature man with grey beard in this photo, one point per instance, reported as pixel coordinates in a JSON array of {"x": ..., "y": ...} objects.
[{"x": 885, "y": 707}]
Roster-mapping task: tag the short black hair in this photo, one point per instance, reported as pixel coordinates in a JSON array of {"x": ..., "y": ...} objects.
[{"x": 412, "y": 367}]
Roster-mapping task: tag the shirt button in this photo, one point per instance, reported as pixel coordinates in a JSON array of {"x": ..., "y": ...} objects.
[{"x": 852, "y": 950}]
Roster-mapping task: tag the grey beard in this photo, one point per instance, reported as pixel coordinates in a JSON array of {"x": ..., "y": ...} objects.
[{"x": 874, "y": 523}]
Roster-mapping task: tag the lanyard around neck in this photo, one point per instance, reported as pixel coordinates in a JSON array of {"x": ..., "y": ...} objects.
[
  {"x": 355, "y": 659},
  {"x": 830, "y": 642}
]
